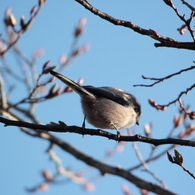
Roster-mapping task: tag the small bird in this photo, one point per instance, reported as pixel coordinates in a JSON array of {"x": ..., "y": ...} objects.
[{"x": 105, "y": 107}]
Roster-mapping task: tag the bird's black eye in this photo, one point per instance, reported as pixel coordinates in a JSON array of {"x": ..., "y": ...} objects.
[{"x": 136, "y": 110}]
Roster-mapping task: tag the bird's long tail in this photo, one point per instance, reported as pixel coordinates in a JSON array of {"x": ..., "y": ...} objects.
[{"x": 74, "y": 86}]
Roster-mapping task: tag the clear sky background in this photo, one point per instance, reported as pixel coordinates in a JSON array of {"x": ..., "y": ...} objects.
[{"x": 117, "y": 57}]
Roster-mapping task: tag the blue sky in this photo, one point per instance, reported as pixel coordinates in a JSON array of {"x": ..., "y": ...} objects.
[{"x": 117, "y": 57}]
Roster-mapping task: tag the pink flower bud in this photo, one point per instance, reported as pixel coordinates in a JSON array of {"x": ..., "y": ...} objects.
[
  {"x": 67, "y": 89},
  {"x": 89, "y": 187},
  {"x": 52, "y": 79},
  {"x": 43, "y": 187},
  {"x": 59, "y": 91},
  {"x": 182, "y": 134},
  {"x": 33, "y": 10},
  {"x": 144, "y": 192},
  {"x": 46, "y": 64},
  {"x": 169, "y": 157},
  {"x": 38, "y": 52},
  {"x": 83, "y": 21},
  {"x": 47, "y": 175},
  {"x": 120, "y": 147},
  {"x": 8, "y": 11},
  {"x": 125, "y": 189},
  {"x": 63, "y": 59},
  {"x": 80, "y": 81},
  {"x": 152, "y": 103}
]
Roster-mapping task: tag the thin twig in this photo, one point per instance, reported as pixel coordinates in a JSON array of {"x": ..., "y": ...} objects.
[
  {"x": 188, "y": 5},
  {"x": 158, "y": 80},
  {"x": 179, "y": 96},
  {"x": 139, "y": 156}
]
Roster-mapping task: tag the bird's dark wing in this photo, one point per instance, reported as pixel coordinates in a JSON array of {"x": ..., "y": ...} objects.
[{"x": 110, "y": 93}]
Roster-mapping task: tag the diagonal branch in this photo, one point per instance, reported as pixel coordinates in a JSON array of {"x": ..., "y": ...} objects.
[
  {"x": 164, "y": 42},
  {"x": 104, "y": 168},
  {"x": 188, "y": 5}
]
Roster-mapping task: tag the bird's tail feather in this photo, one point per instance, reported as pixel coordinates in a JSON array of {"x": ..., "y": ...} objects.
[{"x": 73, "y": 85}]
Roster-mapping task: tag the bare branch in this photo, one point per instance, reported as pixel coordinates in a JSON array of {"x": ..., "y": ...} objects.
[
  {"x": 24, "y": 27},
  {"x": 178, "y": 159},
  {"x": 187, "y": 22},
  {"x": 104, "y": 168},
  {"x": 139, "y": 156},
  {"x": 188, "y": 5},
  {"x": 178, "y": 98},
  {"x": 158, "y": 80},
  {"x": 98, "y": 132},
  {"x": 164, "y": 42}
]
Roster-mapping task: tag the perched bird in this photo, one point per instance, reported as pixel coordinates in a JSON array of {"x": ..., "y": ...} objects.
[{"x": 105, "y": 107}]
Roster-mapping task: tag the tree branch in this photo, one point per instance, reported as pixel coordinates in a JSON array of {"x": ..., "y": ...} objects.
[
  {"x": 103, "y": 168},
  {"x": 158, "y": 80},
  {"x": 164, "y": 42},
  {"x": 98, "y": 132}
]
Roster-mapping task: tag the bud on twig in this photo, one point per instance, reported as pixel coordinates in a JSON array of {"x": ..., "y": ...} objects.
[
  {"x": 12, "y": 20},
  {"x": 33, "y": 10},
  {"x": 43, "y": 187},
  {"x": 192, "y": 115},
  {"x": 178, "y": 157},
  {"x": 51, "y": 91},
  {"x": 41, "y": 2},
  {"x": 28, "y": 24},
  {"x": 62, "y": 124},
  {"x": 154, "y": 34},
  {"x": 169, "y": 157},
  {"x": 46, "y": 64},
  {"x": 80, "y": 81},
  {"x": 52, "y": 79},
  {"x": 22, "y": 23},
  {"x": 67, "y": 89},
  {"x": 161, "y": 108},
  {"x": 46, "y": 71},
  {"x": 47, "y": 175},
  {"x": 147, "y": 130},
  {"x": 169, "y": 3},
  {"x": 58, "y": 91},
  {"x": 152, "y": 103},
  {"x": 63, "y": 59},
  {"x": 178, "y": 120}
]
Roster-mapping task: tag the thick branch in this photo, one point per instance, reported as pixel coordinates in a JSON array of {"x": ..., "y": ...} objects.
[
  {"x": 98, "y": 132},
  {"x": 164, "y": 42},
  {"x": 103, "y": 168}
]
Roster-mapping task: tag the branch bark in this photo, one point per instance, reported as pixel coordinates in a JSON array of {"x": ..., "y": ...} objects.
[
  {"x": 164, "y": 42},
  {"x": 104, "y": 168},
  {"x": 98, "y": 132}
]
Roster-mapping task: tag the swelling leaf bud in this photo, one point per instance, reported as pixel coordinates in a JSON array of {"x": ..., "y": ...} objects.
[
  {"x": 178, "y": 157},
  {"x": 12, "y": 20},
  {"x": 169, "y": 157}
]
